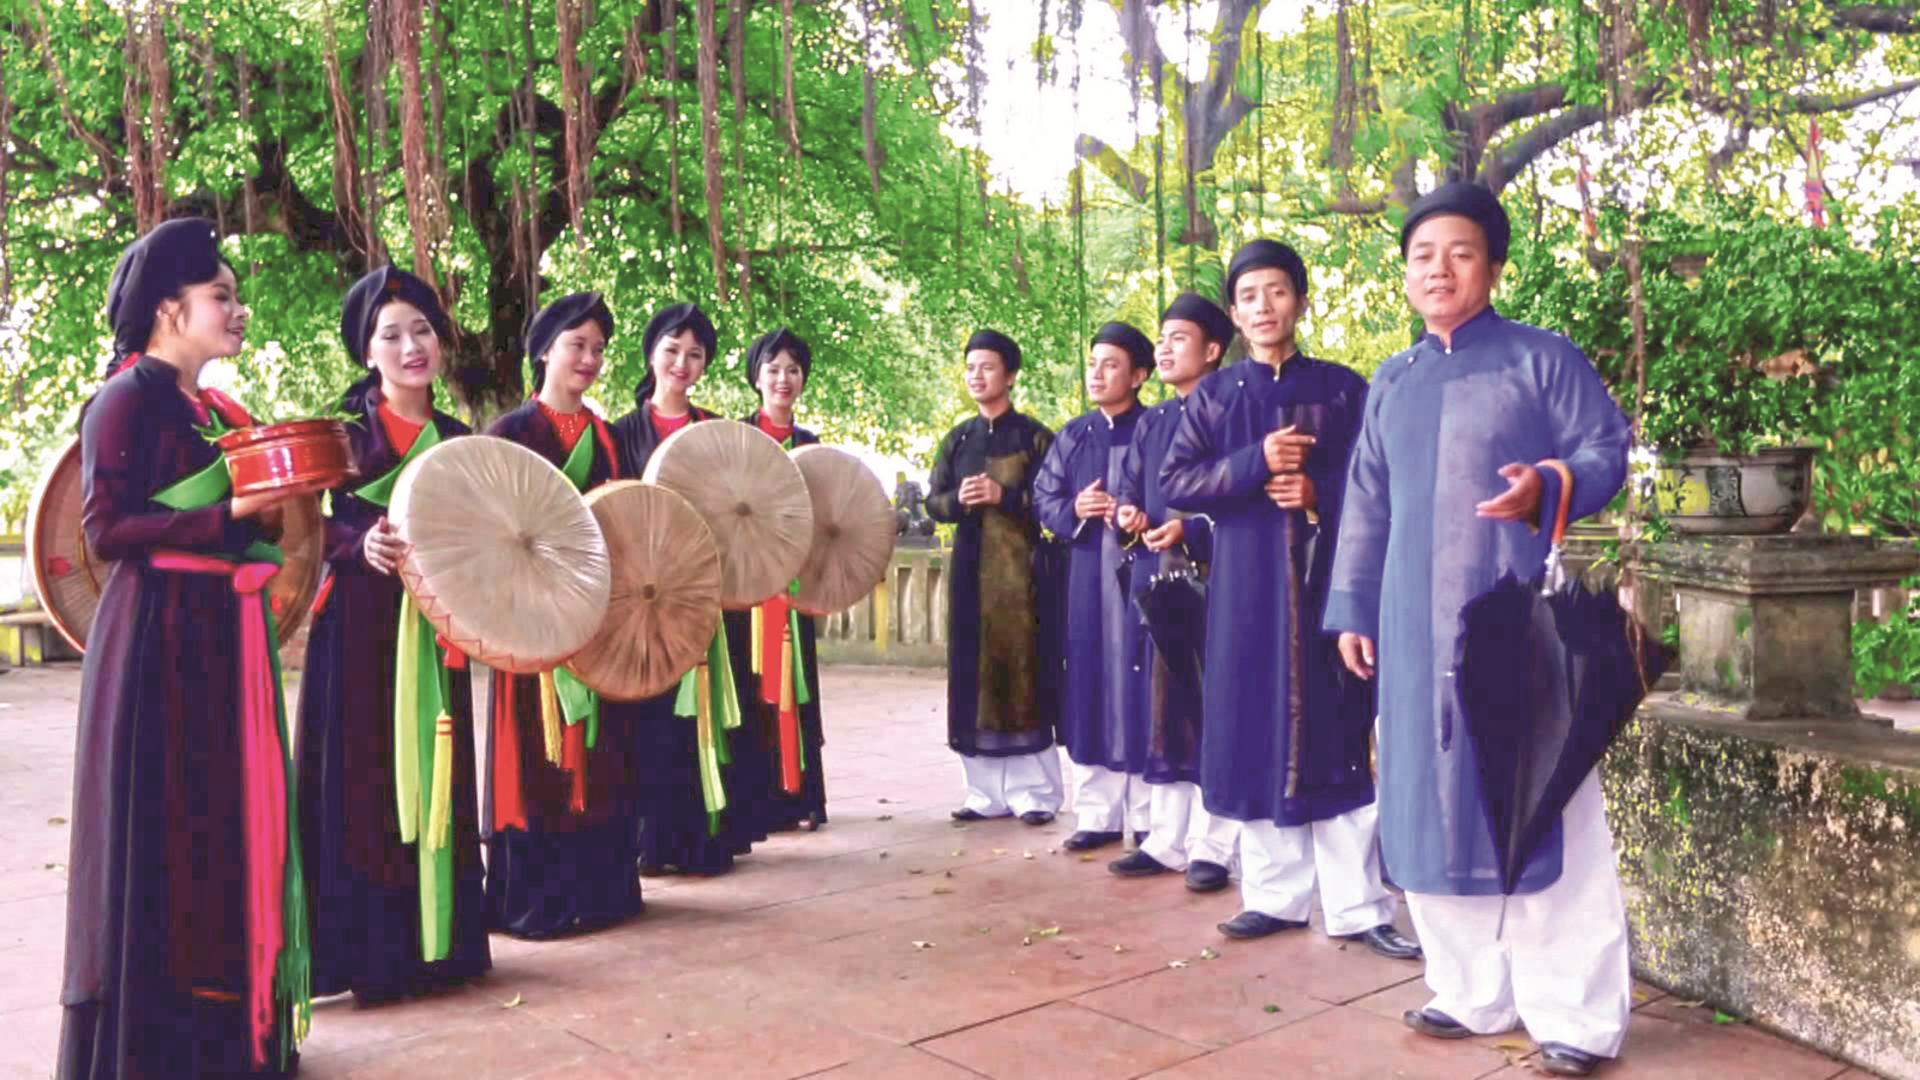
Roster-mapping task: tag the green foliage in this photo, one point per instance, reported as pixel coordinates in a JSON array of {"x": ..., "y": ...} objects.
[
  {"x": 1758, "y": 333},
  {"x": 1887, "y": 653}
]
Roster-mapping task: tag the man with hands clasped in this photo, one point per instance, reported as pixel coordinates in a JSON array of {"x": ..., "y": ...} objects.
[
  {"x": 981, "y": 484},
  {"x": 1262, "y": 450},
  {"x": 1100, "y": 723}
]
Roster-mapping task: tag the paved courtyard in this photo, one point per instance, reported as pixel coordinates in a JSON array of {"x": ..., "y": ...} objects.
[{"x": 893, "y": 943}]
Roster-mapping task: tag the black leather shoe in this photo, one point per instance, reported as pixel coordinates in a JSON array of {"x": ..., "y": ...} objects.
[
  {"x": 966, "y": 813},
  {"x": 1563, "y": 1060},
  {"x": 1252, "y": 924},
  {"x": 1389, "y": 943},
  {"x": 1037, "y": 817},
  {"x": 1435, "y": 1024},
  {"x": 1087, "y": 841},
  {"x": 1203, "y": 876},
  {"x": 1138, "y": 864}
]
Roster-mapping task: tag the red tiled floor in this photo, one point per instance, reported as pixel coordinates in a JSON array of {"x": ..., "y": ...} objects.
[
  {"x": 1060, "y": 1040},
  {"x": 803, "y": 961},
  {"x": 1343, "y": 1043}
]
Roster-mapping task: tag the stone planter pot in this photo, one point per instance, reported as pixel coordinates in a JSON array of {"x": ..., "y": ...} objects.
[{"x": 1709, "y": 492}]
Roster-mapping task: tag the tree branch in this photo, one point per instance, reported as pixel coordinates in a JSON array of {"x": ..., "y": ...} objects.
[
  {"x": 1108, "y": 161},
  {"x": 1878, "y": 19}
]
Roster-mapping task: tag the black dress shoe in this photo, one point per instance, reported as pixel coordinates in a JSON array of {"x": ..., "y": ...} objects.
[
  {"x": 1563, "y": 1060},
  {"x": 1138, "y": 864},
  {"x": 1389, "y": 943},
  {"x": 1204, "y": 876},
  {"x": 1087, "y": 841},
  {"x": 1252, "y": 924},
  {"x": 967, "y": 813},
  {"x": 1037, "y": 817},
  {"x": 1435, "y": 1024}
]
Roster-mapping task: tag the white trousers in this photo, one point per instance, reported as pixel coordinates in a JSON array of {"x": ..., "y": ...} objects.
[
  {"x": 1279, "y": 865},
  {"x": 999, "y": 786},
  {"x": 1184, "y": 832},
  {"x": 1559, "y": 965},
  {"x": 1105, "y": 800}
]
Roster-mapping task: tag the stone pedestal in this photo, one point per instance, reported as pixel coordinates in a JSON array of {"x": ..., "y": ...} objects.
[{"x": 1766, "y": 622}]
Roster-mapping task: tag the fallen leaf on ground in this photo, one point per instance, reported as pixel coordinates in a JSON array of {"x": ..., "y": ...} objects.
[
  {"x": 1087, "y": 857},
  {"x": 1271, "y": 1009},
  {"x": 1028, "y": 940},
  {"x": 56, "y": 821},
  {"x": 941, "y": 890},
  {"x": 1119, "y": 948},
  {"x": 515, "y": 1003},
  {"x": 886, "y": 800},
  {"x": 886, "y": 817},
  {"x": 1688, "y": 1004},
  {"x": 948, "y": 873},
  {"x": 1026, "y": 854},
  {"x": 958, "y": 852},
  {"x": 1724, "y": 1018},
  {"x": 1208, "y": 954},
  {"x": 999, "y": 851},
  {"x": 915, "y": 870},
  {"x": 1176, "y": 963},
  {"x": 923, "y": 944},
  {"x": 1522, "y": 1045},
  {"x": 883, "y": 854},
  {"x": 1050, "y": 931}
]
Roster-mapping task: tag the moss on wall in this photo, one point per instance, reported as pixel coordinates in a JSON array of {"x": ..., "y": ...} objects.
[{"x": 1780, "y": 882}]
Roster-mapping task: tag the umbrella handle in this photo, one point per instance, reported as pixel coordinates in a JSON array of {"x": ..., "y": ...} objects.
[{"x": 1554, "y": 575}]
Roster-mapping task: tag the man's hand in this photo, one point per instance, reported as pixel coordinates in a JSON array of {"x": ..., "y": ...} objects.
[
  {"x": 1357, "y": 653},
  {"x": 1130, "y": 518},
  {"x": 1285, "y": 450},
  {"x": 1092, "y": 502},
  {"x": 980, "y": 490},
  {"x": 1521, "y": 500},
  {"x": 1293, "y": 491},
  {"x": 1166, "y": 536}
]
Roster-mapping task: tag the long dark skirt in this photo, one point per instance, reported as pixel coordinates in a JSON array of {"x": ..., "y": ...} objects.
[
  {"x": 156, "y": 973},
  {"x": 363, "y": 880},
  {"x": 673, "y": 830},
  {"x": 763, "y": 803},
  {"x": 565, "y": 871}
]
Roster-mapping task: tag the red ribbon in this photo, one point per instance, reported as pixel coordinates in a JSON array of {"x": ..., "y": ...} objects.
[
  {"x": 509, "y": 801},
  {"x": 264, "y": 792}
]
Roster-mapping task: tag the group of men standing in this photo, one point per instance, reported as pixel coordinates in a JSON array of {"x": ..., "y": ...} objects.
[{"x": 1324, "y": 516}]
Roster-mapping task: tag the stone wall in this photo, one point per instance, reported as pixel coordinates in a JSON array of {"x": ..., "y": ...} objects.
[{"x": 1773, "y": 870}]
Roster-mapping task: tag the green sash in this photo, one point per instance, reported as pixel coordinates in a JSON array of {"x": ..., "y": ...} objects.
[
  {"x": 578, "y": 701},
  {"x": 380, "y": 491}
]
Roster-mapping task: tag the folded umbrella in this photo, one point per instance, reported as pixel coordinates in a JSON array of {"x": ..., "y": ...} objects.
[
  {"x": 1173, "y": 607},
  {"x": 1546, "y": 675}
]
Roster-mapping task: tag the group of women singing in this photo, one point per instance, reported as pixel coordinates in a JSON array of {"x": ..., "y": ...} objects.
[{"x": 189, "y": 824}]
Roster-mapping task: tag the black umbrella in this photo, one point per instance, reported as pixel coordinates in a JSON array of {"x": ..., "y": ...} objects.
[
  {"x": 1173, "y": 607},
  {"x": 1546, "y": 674}
]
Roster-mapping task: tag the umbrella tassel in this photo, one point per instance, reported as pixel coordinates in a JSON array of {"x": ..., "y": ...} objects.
[
  {"x": 440, "y": 812},
  {"x": 551, "y": 723}
]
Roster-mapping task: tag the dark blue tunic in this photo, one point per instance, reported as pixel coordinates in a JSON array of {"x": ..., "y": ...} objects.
[
  {"x": 1100, "y": 723},
  {"x": 1439, "y": 426},
  {"x": 1171, "y": 705},
  {"x": 1286, "y": 730}
]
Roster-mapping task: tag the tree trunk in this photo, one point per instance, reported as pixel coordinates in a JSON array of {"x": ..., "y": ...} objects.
[{"x": 710, "y": 143}]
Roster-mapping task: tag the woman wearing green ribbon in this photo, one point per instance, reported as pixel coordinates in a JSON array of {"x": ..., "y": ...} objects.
[
  {"x": 682, "y": 747},
  {"x": 775, "y": 663},
  {"x": 186, "y": 951},
  {"x": 397, "y": 908},
  {"x": 561, "y": 796}
]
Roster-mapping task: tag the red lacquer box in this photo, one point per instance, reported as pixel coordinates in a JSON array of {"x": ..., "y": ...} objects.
[{"x": 300, "y": 456}]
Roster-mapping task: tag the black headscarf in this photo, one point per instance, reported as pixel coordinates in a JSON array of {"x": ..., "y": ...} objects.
[
  {"x": 1197, "y": 309},
  {"x": 154, "y": 269},
  {"x": 360, "y": 310},
  {"x": 559, "y": 317},
  {"x": 995, "y": 341},
  {"x": 767, "y": 346},
  {"x": 667, "y": 322},
  {"x": 1139, "y": 349},
  {"x": 1470, "y": 201},
  {"x": 1264, "y": 254}
]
